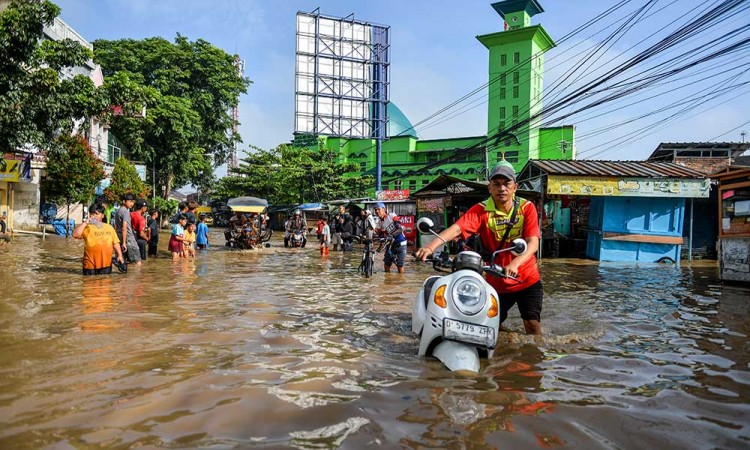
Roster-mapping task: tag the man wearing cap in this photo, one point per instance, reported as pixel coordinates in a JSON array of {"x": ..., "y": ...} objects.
[
  {"x": 140, "y": 227},
  {"x": 390, "y": 225},
  {"x": 124, "y": 229},
  {"x": 498, "y": 220}
]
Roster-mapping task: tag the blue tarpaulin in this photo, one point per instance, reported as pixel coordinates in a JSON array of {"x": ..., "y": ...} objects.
[
  {"x": 59, "y": 225},
  {"x": 311, "y": 206}
]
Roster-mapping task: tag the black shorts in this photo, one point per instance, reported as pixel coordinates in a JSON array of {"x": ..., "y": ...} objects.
[
  {"x": 529, "y": 302},
  {"x": 102, "y": 271}
]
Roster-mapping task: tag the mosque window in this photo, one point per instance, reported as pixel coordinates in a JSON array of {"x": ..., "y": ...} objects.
[
  {"x": 412, "y": 185},
  {"x": 516, "y": 58},
  {"x": 502, "y": 112},
  {"x": 515, "y": 91},
  {"x": 363, "y": 166},
  {"x": 502, "y": 78},
  {"x": 503, "y": 60},
  {"x": 516, "y": 77},
  {"x": 425, "y": 183},
  {"x": 502, "y": 93},
  {"x": 432, "y": 158},
  {"x": 511, "y": 156},
  {"x": 515, "y": 111},
  {"x": 397, "y": 185}
]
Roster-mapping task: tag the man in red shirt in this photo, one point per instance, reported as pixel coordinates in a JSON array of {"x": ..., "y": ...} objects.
[
  {"x": 141, "y": 231},
  {"x": 498, "y": 220}
]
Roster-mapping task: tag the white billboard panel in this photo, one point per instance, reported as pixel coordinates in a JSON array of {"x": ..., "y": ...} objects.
[{"x": 336, "y": 63}]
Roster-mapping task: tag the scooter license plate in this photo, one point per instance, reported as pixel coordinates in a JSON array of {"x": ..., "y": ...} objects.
[{"x": 468, "y": 332}]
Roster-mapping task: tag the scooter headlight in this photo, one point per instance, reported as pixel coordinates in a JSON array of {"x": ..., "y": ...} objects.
[{"x": 467, "y": 295}]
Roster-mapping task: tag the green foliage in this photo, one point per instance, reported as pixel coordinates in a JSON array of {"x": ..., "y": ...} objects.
[
  {"x": 125, "y": 179},
  {"x": 73, "y": 171},
  {"x": 288, "y": 175},
  {"x": 165, "y": 207},
  {"x": 189, "y": 88},
  {"x": 35, "y": 104}
]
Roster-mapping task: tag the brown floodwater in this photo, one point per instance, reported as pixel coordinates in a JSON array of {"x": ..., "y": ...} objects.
[{"x": 281, "y": 348}]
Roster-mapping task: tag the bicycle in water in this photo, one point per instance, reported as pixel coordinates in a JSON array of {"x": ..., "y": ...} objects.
[
  {"x": 368, "y": 259},
  {"x": 368, "y": 254}
]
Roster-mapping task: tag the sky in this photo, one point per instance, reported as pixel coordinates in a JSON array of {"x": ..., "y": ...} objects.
[{"x": 436, "y": 59}]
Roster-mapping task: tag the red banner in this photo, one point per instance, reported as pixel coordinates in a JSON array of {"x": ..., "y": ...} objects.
[
  {"x": 402, "y": 194},
  {"x": 409, "y": 230}
]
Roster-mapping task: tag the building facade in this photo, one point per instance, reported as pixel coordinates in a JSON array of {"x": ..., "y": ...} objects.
[
  {"x": 514, "y": 104},
  {"x": 20, "y": 195}
]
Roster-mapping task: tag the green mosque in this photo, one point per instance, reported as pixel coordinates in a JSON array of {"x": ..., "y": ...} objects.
[{"x": 514, "y": 96}]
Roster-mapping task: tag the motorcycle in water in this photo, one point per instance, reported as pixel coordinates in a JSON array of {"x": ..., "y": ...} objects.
[
  {"x": 457, "y": 316},
  {"x": 297, "y": 239},
  {"x": 248, "y": 236}
]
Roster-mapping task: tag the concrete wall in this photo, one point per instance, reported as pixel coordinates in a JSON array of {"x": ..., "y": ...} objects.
[{"x": 26, "y": 203}]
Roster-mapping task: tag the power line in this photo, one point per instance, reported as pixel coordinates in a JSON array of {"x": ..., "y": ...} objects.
[{"x": 674, "y": 38}]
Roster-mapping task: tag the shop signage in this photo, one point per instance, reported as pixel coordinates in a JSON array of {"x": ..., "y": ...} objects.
[
  {"x": 10, "y": 167},
  {"x": 430, "y": 205},
  {"x": 628, "y": 187},
  {"x": 402, "y": 194},
  {"x": 409, "y": 231}
]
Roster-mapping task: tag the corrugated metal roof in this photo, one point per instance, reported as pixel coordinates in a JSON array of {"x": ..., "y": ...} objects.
[{"x": 642, "y": 169}]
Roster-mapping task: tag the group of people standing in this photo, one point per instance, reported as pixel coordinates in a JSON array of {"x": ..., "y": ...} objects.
[
  {"x": 496, "y": 222},
  {"x": 346, "y": 229},
  {"x": 132, "y": 233},
  {"x": 189, "y": 233}
]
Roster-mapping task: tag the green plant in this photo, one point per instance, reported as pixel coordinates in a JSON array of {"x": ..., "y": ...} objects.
[
  {"x": 72, "y": 173},
  {"x": 125, "y": 179}
]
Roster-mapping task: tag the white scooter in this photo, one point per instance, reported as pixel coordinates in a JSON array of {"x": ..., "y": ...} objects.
[{"x": 458, "y": 315}]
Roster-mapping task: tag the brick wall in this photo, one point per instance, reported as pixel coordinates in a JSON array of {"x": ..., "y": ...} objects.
[{"x": 703, "y": 165}]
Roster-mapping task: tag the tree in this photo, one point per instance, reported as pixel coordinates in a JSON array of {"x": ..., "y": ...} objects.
[
  {"x": 36, "y": 104},
  {"x": 190, "y": 88},
  {"x": 125, "y": 179},
  {"x": 287, "y": 175},
  {"x": 166, "y": 208},
  {"x": 72, "y": 174}
]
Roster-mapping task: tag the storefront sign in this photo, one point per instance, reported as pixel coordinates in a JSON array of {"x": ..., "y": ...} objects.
[
  {"x": 393, "y": 195},
  {"x": 409, "y": 231},
  {"x": 430, "y": 205},
  {"x": 10, "y": 168},
  {"x": 628, "y": 187}
]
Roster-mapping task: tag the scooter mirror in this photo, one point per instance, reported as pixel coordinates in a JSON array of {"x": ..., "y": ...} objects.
[
  {"x": 519, "y": 247},
  {"x": 425, "y": 225}
]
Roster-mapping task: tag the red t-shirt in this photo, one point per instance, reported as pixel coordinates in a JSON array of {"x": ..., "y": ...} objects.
[
  {"x": 491, "y": 223},
  {"x": 138, "y": 222}
]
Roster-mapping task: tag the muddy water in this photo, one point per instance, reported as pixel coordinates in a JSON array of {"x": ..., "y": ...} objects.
[{"x": 280, "y": 348}]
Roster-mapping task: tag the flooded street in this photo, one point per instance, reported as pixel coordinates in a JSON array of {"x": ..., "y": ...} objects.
[{"x": 280, "y": 348}]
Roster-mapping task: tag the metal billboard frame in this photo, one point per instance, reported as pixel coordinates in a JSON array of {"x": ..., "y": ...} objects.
[{"x": 342, "y": 78}]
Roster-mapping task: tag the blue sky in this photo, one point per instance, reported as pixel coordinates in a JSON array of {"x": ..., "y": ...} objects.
[{"x": 435, "y": 60}]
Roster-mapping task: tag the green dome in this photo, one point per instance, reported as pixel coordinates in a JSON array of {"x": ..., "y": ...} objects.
[{"x": 398, "y": 124}]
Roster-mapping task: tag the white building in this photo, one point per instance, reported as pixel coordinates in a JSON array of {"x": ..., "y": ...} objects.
[{"x": 19, "y": 189}]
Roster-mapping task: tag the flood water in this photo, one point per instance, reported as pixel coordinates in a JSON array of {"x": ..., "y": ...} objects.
[{"x": 280, "y": 348}]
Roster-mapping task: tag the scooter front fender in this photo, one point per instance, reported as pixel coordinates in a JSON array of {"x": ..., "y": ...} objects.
[
  {"x": 457, "y": 356},
  {"x": 418, "y": 313}
]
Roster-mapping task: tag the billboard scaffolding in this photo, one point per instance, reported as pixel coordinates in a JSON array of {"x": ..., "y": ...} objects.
[{"x": 342, "y": 78}]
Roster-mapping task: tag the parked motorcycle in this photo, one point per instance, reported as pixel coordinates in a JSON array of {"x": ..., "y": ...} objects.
[{"x": 457, "y": 315}]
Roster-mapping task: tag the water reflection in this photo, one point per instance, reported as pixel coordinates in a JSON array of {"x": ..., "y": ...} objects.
[{"x": 282, "y": 348}]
